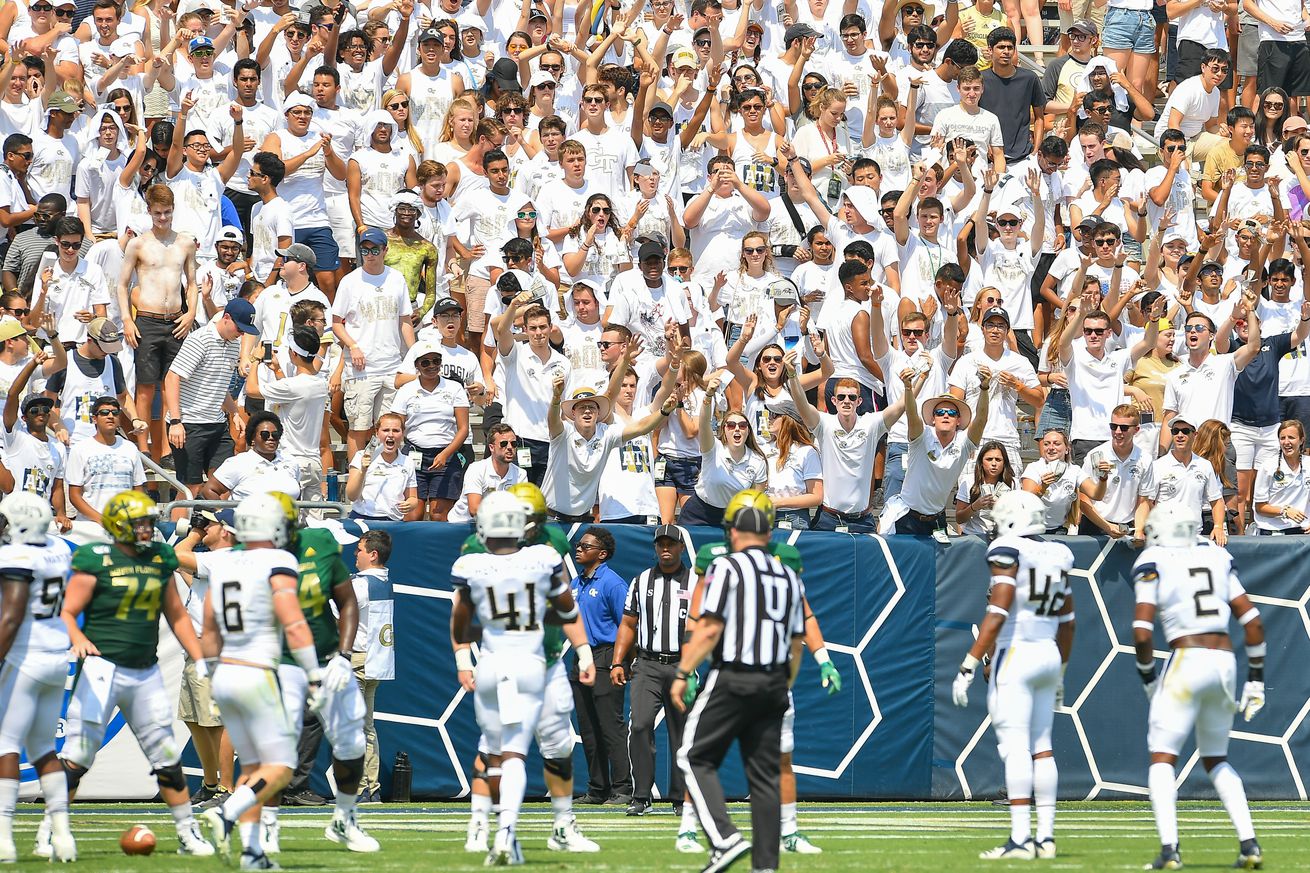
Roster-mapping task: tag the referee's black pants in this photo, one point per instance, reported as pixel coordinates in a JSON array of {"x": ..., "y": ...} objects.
[
  {"x": 648, "y": 695},
  {"x": 746, "y": 706},
  {"x": 600, "y": 722}
]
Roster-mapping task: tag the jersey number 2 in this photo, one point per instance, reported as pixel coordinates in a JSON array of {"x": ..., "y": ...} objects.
[{"x": 1208, "y": 591}]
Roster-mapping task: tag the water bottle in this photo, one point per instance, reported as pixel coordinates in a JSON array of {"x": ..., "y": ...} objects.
[
  {"x": 333, "y": 486},
  {"x": 402, "y": 777}
]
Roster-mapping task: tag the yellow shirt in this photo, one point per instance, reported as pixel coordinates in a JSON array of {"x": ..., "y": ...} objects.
[
  {"x": 1221, "y": 159},
  {"x": 982, "y": 25}
]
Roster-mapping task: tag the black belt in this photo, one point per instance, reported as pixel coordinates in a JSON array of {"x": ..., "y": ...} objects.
[
  {"x": 846, "y": 516},
  {"x": 924, "y": 516},
  {"x": 656, "y": 656},
  {"x": 734, "y": 667}
]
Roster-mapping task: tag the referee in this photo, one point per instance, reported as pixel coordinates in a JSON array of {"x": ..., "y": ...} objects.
[
  {"x": 654, "y": 617},
  {"x": 756, "y": 657}
]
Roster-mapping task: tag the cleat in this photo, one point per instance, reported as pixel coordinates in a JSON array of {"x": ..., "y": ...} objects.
[
  {"x": 1011, "y": 851},
  {"x": 800, "y": 845},
  {"x": 723, "y": 859},
  {"x": 476, "y": 838},
  {"x": 203, "y": 793},
  {"x": 1168, "y": 859},
  {"x": 258, "y": 862},
  {"x": 346, "y": 831},
  {"x": 1046, "y": 848},
  {"x": 1249, "y": 856},
  {"x": 192, "y": 842},
  {"x": 270, "y": 837},
  {"x": 570, "y": 839},
  {"x": 63, "y": 848},
  {"x": 217, "y": 798},
  {"x": 8, "y": 852},
  {"x": 42, "y": 846},
  {"x": 506, "y": 851},
  {"x": 688, "y": 844},
  {"x": 220, "y": 833},
  {"x": 638, "y": 806}
]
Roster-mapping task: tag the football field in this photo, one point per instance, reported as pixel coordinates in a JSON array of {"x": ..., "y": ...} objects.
[{"x": 911, "y": 837}]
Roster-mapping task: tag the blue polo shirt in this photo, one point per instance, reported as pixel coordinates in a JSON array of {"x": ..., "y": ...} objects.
[{"x": 600, "y": 598}]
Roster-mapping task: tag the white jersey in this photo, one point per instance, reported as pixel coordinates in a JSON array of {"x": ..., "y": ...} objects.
[
  {"x": 45, "y": 569},
  {"x": 242, "y": 600},
  {"x": 1041, "y": 586},
  {"x": 510, "y": 593},
  {"x": 1190, "y": 587}
]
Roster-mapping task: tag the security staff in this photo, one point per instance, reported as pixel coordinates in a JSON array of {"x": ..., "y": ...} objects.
[
  {"x": 654, "y": 617},
  {"x": 755, "y": 658}
]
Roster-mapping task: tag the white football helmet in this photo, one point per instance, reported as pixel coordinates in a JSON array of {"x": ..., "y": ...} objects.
[
  {"x": 501, "y": 516},
  {"x": 1172, "y": 526},
  {"x": 26, "y": 518},
  {"x": 1019, "y": 513},
  {"x": 262, "y": 517}
]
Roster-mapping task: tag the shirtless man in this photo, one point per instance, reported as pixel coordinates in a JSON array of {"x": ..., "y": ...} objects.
[{"x": 159, "y": 259}]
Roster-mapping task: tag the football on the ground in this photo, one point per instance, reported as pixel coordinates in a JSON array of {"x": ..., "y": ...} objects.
[{"x": 137, "y": 840}]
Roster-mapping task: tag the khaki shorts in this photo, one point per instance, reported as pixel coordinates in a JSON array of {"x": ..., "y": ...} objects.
[
  {"x": 475, "y": 299},
  {"x": 195, "y": 705},
  {"x": 366, "y": 397},
  {"x": 1080, "y": 9}
]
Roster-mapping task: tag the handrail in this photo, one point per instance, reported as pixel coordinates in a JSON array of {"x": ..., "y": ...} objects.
[
  {"x": 162, "y": 473},
  {"x": 341, "y": 509}
]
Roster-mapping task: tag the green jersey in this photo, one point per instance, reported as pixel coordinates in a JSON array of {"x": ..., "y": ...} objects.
[
  {"x": 321, "y": 570},
  {"x": 788, "y": 554},
  {"x": 552, "y": 639},
  {"x": 122, "y": 618}
]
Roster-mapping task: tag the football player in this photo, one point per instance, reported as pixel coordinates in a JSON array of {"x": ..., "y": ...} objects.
[
  {"x": 511, "y": 588},
  {"x": 34, "y": 656},
  {"x": 1193, "y": 587},
  {"x": 118, "y": 589},
  {"x": 1030, "y": 622}
]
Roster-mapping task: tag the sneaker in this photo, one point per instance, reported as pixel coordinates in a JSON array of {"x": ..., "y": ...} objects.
[
  {"x": 618, "y": 800},
  {"x": 371, "y": 798},
  {"x": 1168, "y": 859},
  {"x": 63, "y": 848},
  {"x": 476, "y": 838},
  {"x": 589, "y": 799},
  {"x": 1011, "y": 851},
  {"x": 258, "y": 862},
  {"x": 800, "y": 844},
  {"x": 638, "y": 807},
  {"x": 42, "y": 846},
  {"x": 722, "y": 859},
  {"x": 688, "y": 844},
  {"x": 8, "y": 852},
  {"x": 506, "y": 851},
  {"x": 1248, "y": 856},
  {"x": 570, "y": 839},
  {"x": 219, "y": 796},
  {"x": 304, "y": 798},
  {"x": 270, "y": 837},
  {"x": 344, "y": 830},
  {"x": 220, "y": 832},
  {"x": 191, "y": 842},
  {"x": 203, "y": 793},
  {"x": 1046, "y": 848}
]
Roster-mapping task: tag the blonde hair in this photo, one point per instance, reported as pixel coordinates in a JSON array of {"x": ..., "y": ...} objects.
[
  {"x": 823, "y": 100},
  {"x": 409, "y": 122},
  {"x": 1210, "y": 440},
  {"x": 693, "y": 369},
  {"x": 448, "y": 126},
  {"x": 787, "y": 432},
  {"x": 767, "y": 266}
]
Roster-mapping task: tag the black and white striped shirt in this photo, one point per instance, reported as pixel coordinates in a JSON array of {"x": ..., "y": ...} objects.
[
  {"x": 660, "y": 605},
  {"x": 760, "y": 603},
  {"x": 205, "y": 364}
]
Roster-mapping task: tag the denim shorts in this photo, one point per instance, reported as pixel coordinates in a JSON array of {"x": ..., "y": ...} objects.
[
  {"x": 680, "y": 473},
  {"x": 1129, "y": 29}
]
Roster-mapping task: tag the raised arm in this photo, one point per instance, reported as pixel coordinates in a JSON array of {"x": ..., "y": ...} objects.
[
  {"x": 979, "y": 424},
  {"x": 705, "y": 437}
]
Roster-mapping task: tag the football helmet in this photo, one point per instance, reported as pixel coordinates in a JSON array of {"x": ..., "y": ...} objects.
[
  {"x": 262, "y": 517},
  {"x": 25, "y": 518},
  {"x": 750, "y": 498},
  {"x": 288, "y": 504},
  {"x": 1019, "y": 513},
  {"x": 502, "y": 515},
  {"x": 1172, "y": 526},
  {"x": 129, "y": 518},
  {"x": 534, "y": 502}
]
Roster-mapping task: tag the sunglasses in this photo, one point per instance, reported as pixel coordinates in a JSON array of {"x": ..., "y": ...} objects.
[
  {"x": 735, "y": 425},
  {"x": 1007, "y": 222},
  {"x": 601, "y": 210},
  {"x": 1096, "y": 331},
  {"x": 18, "y": 312},
  {"x": 1175, "y": 148},
  {"x": 550, "y": 86},
  {"x": 552, "y": 68},
  {"x": 370, "y": 250},
  {"x": 811, "y": 86},
  {"x": 594, "y": 100},
  {"x": 755, "y": 250},
  {"x": 1105, "y": 242},
  {"x": 528, "y": 213},
  {"x": 1269, "y": 104},
  {"x": 201, "y": 52},
  {"x": 1196, "y": 328},
  {"x": 40, "y": 7},
  {"x": 908, "y": 331},
  {"x": 269, "y": 434},
  {"x": 65, "y": 13},
  {"x": 848, "y": 398},
  {"x": 517, "y": 110},
  {"x": 107, "y": 411},
  {"x": 948, "y": 411},
  {"x": 771, "y": 359},
  {"x": 428, "y": 362},
  {"x": 404, "y": 104},
  {"x": 702, "y": 43},
  {"x": 605, "y": 344},
  {"x": 679, "y": 269},
  {"x": 507, "y": 444},
  {"x": 912, "y": 10},
  {"x": 754, "y": 107},
  {"x": 70, "y": 245},
  {"x": 1183, "y": 430},
  {"x": 923, "y": 43},
  {"x": 1256, "y": 165},
  {"x": 1123, "y": 427}
]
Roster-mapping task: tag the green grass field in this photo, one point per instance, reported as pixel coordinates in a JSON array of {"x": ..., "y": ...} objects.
[{"x": 854, "y": 837}]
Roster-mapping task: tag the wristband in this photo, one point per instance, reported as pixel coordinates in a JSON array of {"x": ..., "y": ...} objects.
[
  {"x": 1066, "y": 618},
  {"x": 1256, "y": 652},
  {"x": 1246, "y": 618},
  {"x": 307, "y": 658},
  {"x": 681, "y": 674},
  {"x": 1144, "y": 625},
  {"x": 969, "y": 664},
  {"x": 1145, "y": 669},
  {"x": 998, "y": 610},
  {"x": 822, "y": 656},
  {"x": 464, "y": 660}
]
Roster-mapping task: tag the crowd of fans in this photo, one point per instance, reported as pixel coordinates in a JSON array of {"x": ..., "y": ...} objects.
[{"x": 648, "y": 254}]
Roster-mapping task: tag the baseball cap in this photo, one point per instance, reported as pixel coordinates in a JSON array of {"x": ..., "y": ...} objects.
[
  {"x": 139, "y": 224},
  {"x": 1085, "y": 25},
  {"x": 505, "y": 75},
  {"x": 225, "y": 517},
  {"x": 538, "y": 12},
  {"x": 1211, "y": 265},
  {"x": 996, "y": 312},
  {"x": 668, "y": 531},
  {"x": 64, "y": 102},
  {"x": 373, "y": 235},
  {"x": 106, "y": 334},
  {"x": 1294, "y": 123},
  {"x": 1089, "y": 222},
  {"x": 650, "y": 250},
  {"x": 11, "y": 327},
  {"x": 231, "y": 233},
  {"x": 660, "y": 106},
  {"x": 122, "y": 47},
  {"x": 541, "y": 77},
  {"x": 242, "y": 313},
  {"x": 445, "y": 305},
  {"x": 685, "y": 57},
  {"x": 799, "y": 31},
  {"x": 1179, "y": 418},
  {"x": 429, "y": 32},
  {"x": 406, "y": 198},
  {"x": 469, "y": 20},
  {"x": 199, "y": 43},
  {"x": 299, "y": 252},
  {"x": 37, "y": 400}
]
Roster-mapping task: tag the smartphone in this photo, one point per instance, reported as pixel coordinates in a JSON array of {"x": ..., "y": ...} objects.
[{"x": 268, "y": 352}]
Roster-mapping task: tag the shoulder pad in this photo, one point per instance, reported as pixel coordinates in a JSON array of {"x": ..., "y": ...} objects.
[
  {"x": 707, "y": 553},
  {"x": 787, "y": 554},
  {"x": 1145, "y": 572}
]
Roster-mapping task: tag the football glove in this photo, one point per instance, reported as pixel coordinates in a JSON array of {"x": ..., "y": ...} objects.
[
  {"x": 315, "y": 699},
  {"x": 693, "y": 686},
  {"x": 337, "y": 674},
  {"x": 960, "y": 687},
  {"x": 1150, "y": 677},
  {"x": 831, "y": 679},
  {"x": 1253, "y": 699}
]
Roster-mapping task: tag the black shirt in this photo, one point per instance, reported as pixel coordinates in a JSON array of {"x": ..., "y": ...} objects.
[{"x": 1011, "y": 100}]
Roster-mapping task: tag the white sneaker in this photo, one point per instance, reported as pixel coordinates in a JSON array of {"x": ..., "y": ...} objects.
[
  {"x": 346, "y": 831},
  {"x": 688, "y": 844},
  {"x": 63, "y": 848},
  {"x": 570, "y": 839},
  {"x": 270, "y": 837},
  {"x": 505, "y": 852},
  {"x": 8, "y": 852},
  {"x": 220, "y": 830},
  {"x": 799, "y": 844},
  {"x": 1011, "y": 851},
  {"x": 42, "y": 848},
  {"x": 258, "y": 862},
  {"x": 1046, "y": 848},
  {"x": 191, "y": 842},
  {"x": 476, "y": 838}
]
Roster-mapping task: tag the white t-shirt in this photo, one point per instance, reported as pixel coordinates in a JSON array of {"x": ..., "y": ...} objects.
[
  {"x": 480, "y": 478},
  {"x": 72, "y": 292},
  {"x": 801, "y": 467},
  {"x": 1123, "y": 484},
  {"x": 273, "y": 310},
  {"x": 576, "y": 465},
  {"x": 35, "y": 464},
  {"x": 1096, "y": 387},
  {"x": 1279, "y": 484},
  {"x": 430, "y": 415},
  {"x": 1061, "y": 494},
  {"x": 300, "y": 401},
  {"x": 627, "y": 487},
  {"x": 1002, "y": 412},
  {"x": 268, "y": 222},
  {"x": 1203, "y": 393},
  {"x": 372, "y": 307},
  {"x": 847, "y": 457},
  {"x": 385, "y": 485},
  {"x": 528, "y": 390},
  {"x": 609, "y": 155},
  {"x": 933, "y": 470},
  {"x": 982, "y": 128},
  {"x": 1197, "y": 106},
  {"x": 103, "y": 471},
  {"x": 251, "y": 473}
]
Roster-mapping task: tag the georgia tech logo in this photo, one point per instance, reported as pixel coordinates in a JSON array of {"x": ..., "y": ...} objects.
[{"x": 387, "y": 636}]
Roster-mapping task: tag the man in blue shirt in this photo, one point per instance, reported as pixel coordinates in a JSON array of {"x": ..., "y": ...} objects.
[{"x": 600, "y": 594}]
